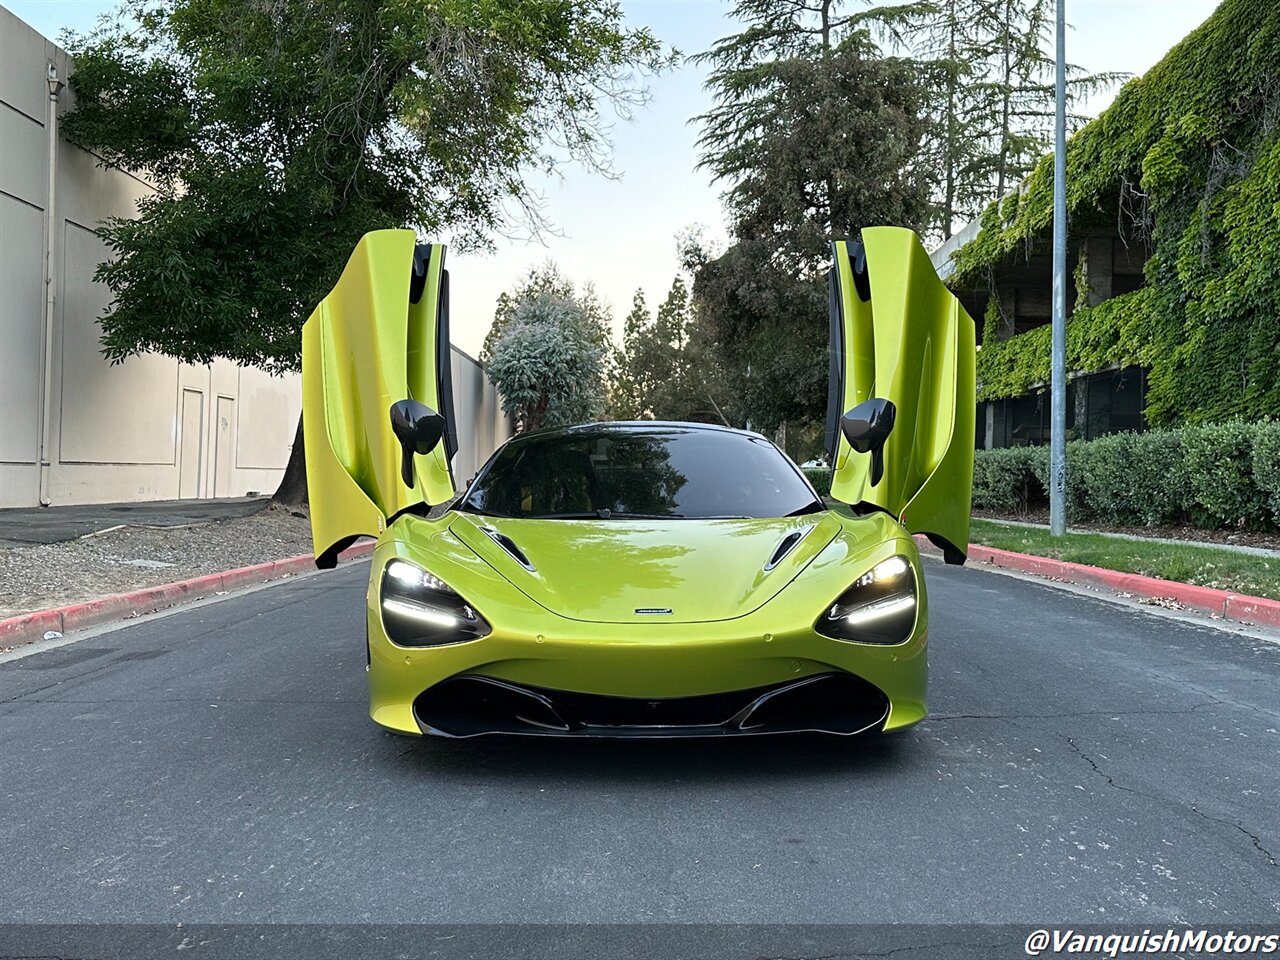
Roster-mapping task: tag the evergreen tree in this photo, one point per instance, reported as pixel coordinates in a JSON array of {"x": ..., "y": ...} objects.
[
  {"x": 815, "y": 133},
  {"x": 992, "y": 79}
]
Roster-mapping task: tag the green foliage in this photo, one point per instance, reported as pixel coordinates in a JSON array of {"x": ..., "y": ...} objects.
[
  {"x": 820, "y": 477},
  {"x": 769, "y": 329},
  {"x": 990, "y": 72},
  {"x": 547, "y": 279},
  {"x": 1110, "y": 333},
  {"x": 1007, "y": 480},
  {"x": 815, "y": 134},
  {"x": 665, "y": 369},
  {"x": 548, "y": 363},
  {"x": 630, "y": 383},
  {"x": 1133, "y": 479},
  {"x": 818, "y": 146},
  {"x": 1219, "y": 461},
  {"x": 1188, "y": 156},
  {"x": 1266, "y": 465},
  {"x": 278, "y": 133},
  {"x": 1214, "y": 475}
]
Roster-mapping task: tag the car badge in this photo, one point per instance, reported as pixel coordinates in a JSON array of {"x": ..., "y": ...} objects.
[{"x": 654, "y": 611}]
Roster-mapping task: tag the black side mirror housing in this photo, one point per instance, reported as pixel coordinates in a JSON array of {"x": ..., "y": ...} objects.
[
  {"x": 867, "y": 426},
  {"x": 418, "y": 428}
]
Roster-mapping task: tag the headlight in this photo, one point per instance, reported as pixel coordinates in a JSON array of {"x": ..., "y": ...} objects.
[
  {"x": 879, "y": 607},
  {"x": 421, "y": 610}
]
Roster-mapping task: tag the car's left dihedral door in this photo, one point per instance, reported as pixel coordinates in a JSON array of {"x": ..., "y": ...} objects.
[
  {"x": 902, "y": 344},
  {"x": 379, "y": 337}
]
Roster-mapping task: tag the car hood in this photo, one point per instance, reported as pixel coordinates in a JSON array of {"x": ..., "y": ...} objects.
[{"x": 608, "y": 571}]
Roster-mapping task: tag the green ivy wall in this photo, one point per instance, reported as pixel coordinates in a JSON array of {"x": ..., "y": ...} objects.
[{"x": 1195, "y": 143}]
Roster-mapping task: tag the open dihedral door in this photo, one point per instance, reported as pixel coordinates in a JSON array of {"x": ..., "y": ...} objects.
[
  {"x": 901, "y": 406},
  {"x": 380, "y": 337}
]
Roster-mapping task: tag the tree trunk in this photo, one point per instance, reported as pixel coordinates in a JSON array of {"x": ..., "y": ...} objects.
[{"x": 292, "y": 491}]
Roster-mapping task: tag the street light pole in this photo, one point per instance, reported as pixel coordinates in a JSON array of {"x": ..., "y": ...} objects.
[{"x": 1058, "y": 390}]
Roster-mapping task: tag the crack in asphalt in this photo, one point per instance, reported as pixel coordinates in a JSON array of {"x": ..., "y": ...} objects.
[{"x": 1239, "y": 825}]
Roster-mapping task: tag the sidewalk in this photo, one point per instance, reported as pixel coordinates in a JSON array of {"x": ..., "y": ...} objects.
[{"x": 24, "y": 526}]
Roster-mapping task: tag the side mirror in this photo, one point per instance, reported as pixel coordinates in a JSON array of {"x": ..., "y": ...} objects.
[
  {"x": 867, "y": 426},
  {"x": 418, "y": 428}
]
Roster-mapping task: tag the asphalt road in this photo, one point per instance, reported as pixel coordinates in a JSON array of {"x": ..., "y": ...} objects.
[{"x": 1083, "y": 763}]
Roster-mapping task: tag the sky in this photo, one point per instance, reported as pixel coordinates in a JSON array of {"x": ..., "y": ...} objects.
[{"x": 620, "y": 233}]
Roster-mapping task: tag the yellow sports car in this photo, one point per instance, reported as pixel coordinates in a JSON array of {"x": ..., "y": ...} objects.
[{"x": 642, "y": 579}]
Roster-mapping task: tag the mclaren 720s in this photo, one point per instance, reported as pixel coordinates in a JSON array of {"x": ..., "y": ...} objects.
[{"x": 642, "y": 579}]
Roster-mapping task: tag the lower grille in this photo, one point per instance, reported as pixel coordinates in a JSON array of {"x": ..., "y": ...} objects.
[{"x": 469, "y": 706}]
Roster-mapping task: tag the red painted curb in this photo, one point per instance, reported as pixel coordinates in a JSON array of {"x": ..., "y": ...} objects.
[
  {"x": 1222, "y": 603},
  {"x": 121, "y": 606}
]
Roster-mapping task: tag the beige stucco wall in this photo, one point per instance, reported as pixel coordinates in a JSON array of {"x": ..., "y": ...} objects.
[{"x": 150, "y": 428}]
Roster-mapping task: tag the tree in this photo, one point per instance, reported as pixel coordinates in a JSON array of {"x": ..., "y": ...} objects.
[
  {"x": 954, "y": 41},
  {"x": 629, "y": 385},
  {"x": 1016, "y": 91},
  {"x": 548, "y": 279},
  {"x": 548, "y": 364},
  {"x": 769, "y": 334},
  {"x": 814, "y": 132},
  {"x": 278, "y": 133},
  {"x": 990, "y": 73}
]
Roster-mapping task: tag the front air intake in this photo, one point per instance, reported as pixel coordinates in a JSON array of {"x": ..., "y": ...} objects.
[{"x": 470, "y": 705}]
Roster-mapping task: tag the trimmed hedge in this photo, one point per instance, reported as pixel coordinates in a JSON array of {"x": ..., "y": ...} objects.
[
  {"x": 1214, "y": 475},
  {"x": 820, "y": 477},
  {"x": 1009, "y": 479}
]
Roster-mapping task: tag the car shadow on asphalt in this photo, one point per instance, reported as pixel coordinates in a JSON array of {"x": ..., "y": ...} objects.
[{"x": 703, "y": 760}]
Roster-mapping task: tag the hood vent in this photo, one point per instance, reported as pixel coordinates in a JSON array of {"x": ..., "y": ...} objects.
[
  {"x": 509, "y": 545},
  {"x": 785, "y": 546}
]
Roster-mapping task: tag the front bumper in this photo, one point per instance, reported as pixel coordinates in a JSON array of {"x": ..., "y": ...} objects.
[
  {"x": 471, "y": 706},
  {"x": 539, "y": 672}
]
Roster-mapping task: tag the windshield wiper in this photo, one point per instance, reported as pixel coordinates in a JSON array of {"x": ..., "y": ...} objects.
[
  {"x": 605, "y": 514},
  {"x": 466, "y": 506},
  {"x": 616, "y": 515},
  {"x": 579, "y": 515},
  {"x": 815, "y": 506}
]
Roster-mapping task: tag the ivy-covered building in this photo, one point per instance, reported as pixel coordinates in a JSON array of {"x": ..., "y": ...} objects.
[{"x": 1173, "y": 197}]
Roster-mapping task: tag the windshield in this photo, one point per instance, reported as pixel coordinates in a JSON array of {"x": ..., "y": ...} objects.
[{"x": 658, "y": 473}]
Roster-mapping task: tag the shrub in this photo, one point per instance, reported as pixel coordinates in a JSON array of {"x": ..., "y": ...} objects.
[
  {"x": 1077, "y": 508},
  {"x": 1007, "y": 479},
  {"x": 1220, "y": 468},
  {"x": 1216, "y": 475},
  {"x": 820, "y": 477},
  {"x": 1133, "y": 479},
  {"x": 1266, "y": 466}
]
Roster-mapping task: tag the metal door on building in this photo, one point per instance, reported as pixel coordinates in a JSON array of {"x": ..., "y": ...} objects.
[
  {"x": 224, "y": 446},
  {"x": 191, "y": 445}
]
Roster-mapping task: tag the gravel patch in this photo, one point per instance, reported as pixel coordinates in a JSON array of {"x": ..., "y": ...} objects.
[{"x": 130, "y": 558}]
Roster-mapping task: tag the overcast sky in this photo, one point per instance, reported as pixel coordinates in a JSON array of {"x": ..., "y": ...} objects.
[{"x": 620, "y": 233}]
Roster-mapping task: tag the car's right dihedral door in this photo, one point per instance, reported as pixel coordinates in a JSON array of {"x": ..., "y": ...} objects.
[
  {"x": 381, "y": 336},
  {"x": 898, "y": 334}
]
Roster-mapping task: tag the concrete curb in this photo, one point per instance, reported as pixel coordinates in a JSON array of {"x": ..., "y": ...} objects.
[
  {"x": 122, "y": 606},
  {"x": 1219, "y": 603}
]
